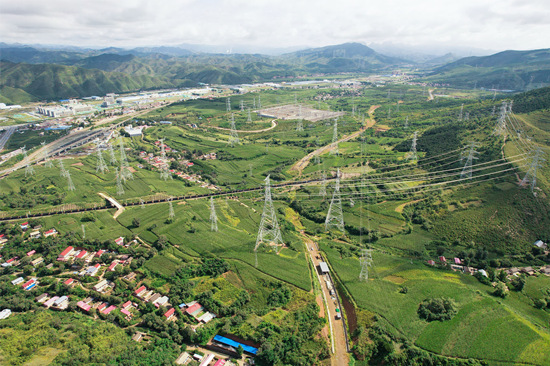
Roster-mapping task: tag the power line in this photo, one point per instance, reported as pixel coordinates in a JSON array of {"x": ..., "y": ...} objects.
[
  {"x": 366, "y": 262},
  {"x": 268, "y": 231}
]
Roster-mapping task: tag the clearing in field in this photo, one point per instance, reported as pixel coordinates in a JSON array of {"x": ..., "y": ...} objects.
[{"x": 297, "y": 111}]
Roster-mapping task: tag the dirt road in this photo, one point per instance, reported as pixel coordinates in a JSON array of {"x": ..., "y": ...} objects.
[
  {"x": 338, "y": 346},
  {"x": 273, "y": 125},
  {"x": 301, "y": 164}
]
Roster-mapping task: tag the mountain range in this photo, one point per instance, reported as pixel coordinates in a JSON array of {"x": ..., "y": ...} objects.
[{"x": 42, "y": 74}]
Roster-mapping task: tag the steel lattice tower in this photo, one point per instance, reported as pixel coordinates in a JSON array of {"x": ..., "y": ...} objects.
[
  {"x": 407, "y": 122},
  {"x": 62, "y": 170},
  {"x": 269, "y": 232},
  {"x": 46, "y": 154},
  {"x": 531, "y": 175},
  {"x": 249, "y": 117},
  {"x": 213, "y": 216},
  {"x": 124, "y": 166},
  {"x": 412, "y": 154},
  {"x": 142, "y": 203},
  {"x": 101, "y": 166},
  {"x": 242, "y": 105},
  {"x": 70, "y": 185},
  {"x": 467, "y": 170},
  {"x": 366, "y": 262},
  {"x": 334, "y": 150},
  {"x": 119, "y": 187},
  {"x": 259, "y": 102},
  {"x": 83, "y": 231},
  {"x": 29, "y": 170},
  {"x": 335, "y": 216},
  {"x": 299, "y": 125},
  {"x": 323, "y": 189},
  {"x": 233, "y": 137},
  {"x": 228, "y": 105},
  {"x": 461, "y": 111},
  {"x": 171, "y": 213},
  {"x": 500, "y": 128},
  {"x": 112, "y": 155}
]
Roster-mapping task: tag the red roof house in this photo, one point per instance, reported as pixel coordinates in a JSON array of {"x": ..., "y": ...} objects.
[
  {"x": 458, "y": 261},
  {"x": 169, "y": 313},
  {"x": 442, "y": 259},
  {"x": 31, "y": 253},
  {"x": 431, "y": 262},
  {"x": 140, "y": 290},
  {"x": 68, "y": 281}
]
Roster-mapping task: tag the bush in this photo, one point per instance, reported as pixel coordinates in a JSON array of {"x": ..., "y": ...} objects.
[
  {"x": 501, "y": 290},
  {"x": 437, "y": 309},
  {"x": 540, "y": 303}
]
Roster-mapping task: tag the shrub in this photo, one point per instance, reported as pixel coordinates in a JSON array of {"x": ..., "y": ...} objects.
[{"x": 437, "y": 309}]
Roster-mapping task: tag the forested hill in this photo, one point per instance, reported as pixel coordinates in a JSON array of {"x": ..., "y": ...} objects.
[
  {"x": 24, "y": 82},
  {"x": 532, "y": 100}
]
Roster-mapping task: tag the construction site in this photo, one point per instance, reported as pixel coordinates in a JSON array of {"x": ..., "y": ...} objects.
[{"x": 297, "y": 111}]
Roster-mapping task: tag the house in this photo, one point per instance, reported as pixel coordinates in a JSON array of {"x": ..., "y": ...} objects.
[
  {"x": 206, "y": 317},
  {"x": 127, "y": 305},
  {"x": 540, "y": 244},
  {"x": 17, "y": 281},
  {"x": 66, "y": 253},
  {"x": 140, "y": 290},
  {"x": 92, "y": 270},
  {"x": 170, "y": 313},
  {"x": 61, "y": 303},
  {"x": 5, "y": 313},
  {"x": 483, "y": 272},
  {"x": 183, "y": 359},
  {"x": 162, "y": 301},
  {"x": 102, "y": 306},
  {"x": 68, "y": 281},
  {"x": 41, "y": 298},
  {"x": 35, "y": 234},
  {"x": 457, "y": 261},
  {"x": 431, "y": 262},
  {"x": 50, "y": 302},
  {"x": 37, "y": 261},
  {"x": 113, "y": 266},
  {"x": 82, "y": 305},
  {"x": 206, "y": 360},
  {"x": 101, "y": 286},
  {"x": 81, "y": 254},
  {"x": 442, "y": 259},
  {"x": 99, "y": 253},
  {"x": 137, "y": 337},
  {"x": 154, "y": 298},
  {"x": 29, "y": 282},
  {"x": 108, "y": 310},
  {"x": 51, "y": 232},
  {"x": 126, "y": 312},
  {"x": 226, "y": 342},
  {"x": 513, "y": 271},
  {"x": 528, "y": 270},
  {"x": 130, "y": 276},
  {"x": 31, "y": 253},
  {"x": 24, "y": 226},
  {"x": 324, "y": 268},
  {"x": 119, "y": 241},
  {"x": 3, "y": 239},
  {"x": 545, "y": 270}
]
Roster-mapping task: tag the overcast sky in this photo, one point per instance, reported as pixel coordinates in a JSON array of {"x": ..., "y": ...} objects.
[{"x": 486, "y": 24}]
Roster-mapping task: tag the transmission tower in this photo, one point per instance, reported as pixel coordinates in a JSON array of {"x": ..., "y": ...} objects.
[
  {"x": 171, "y": 213},
  {"x": 407, "y": 122},
  {"x": 213, "y": 216},
  {"x": 323, "y": 189},
  {"x": 46, "y": 155},
  {"x": 500, "y": 128},
  {"x": 228, "y": 105},
  {"x": 335, "y": 216},
  {"x": 299, "y": 125},
  {"x": 162, "y": 150},
  {"x": 165, "y": 173},
  {"x": 119, "y": 187},
  {"x": 334, "y": 150},
  {"x": 531, "y": 175},
  {"x": 467, "y": 170},
  {"x": 70, "y": 185},
  {"x": 62, "y": 170},
  {"x": 242, "y": 105},
  {"x": 510, "y": 106},
  {"x": 412, "y": 154},
  {"x": 366, "y": 262},
  {"x": 269, "y": 231},
  {"x": 397, "y": 106},
  {"x": 389, "y": 112},
  {"x": 494, "y": 109},
  {"x": 461, "y": 111},
  {"x": 124, "y": 166},
  {"x": 233, "y": 137},
  {"x": 142, "y": 203},
  {"x": 259, "y": 102},
  {"x": 112, "y": 155},
  {"x": 83, "y": 231},
  {"x": 101, "y": 166},
  {"x": 249, "y": 118},
  {"x": 317, "y": 160},
  {"x": 29, "y": 170}
]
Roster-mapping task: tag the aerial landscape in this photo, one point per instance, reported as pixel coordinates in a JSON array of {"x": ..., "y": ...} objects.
[{"x": 235, "y": 183}]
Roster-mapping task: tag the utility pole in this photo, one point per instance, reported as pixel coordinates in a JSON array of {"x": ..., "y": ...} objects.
[
  {"x": 531, "y": 176},
  {"x": 213, "y": 216},
  {"x": 412, "y": 154},
  {"x": 233, "y": 137},
  {"x": 269, "y": 231},
  {"x": 467, "y": 170},
  {"x": 366, "y": 262},
  {"x": 335, "y": 216},
  {"x": 334, "y": 150}
]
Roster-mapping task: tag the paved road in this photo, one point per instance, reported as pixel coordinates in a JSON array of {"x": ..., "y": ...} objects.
[{"x": 5, "y": 136}]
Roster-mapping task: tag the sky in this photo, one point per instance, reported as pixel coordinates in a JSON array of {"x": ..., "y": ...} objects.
[{"x": 442, "y": 24}]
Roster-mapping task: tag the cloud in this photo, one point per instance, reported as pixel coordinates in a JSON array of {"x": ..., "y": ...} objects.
[{"x": 508, "y": 24}]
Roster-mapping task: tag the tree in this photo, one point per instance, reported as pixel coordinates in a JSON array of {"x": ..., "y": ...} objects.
[
  {"x": 161, "y": 242},
  {"x": 501, "y": 290},
  {"x": 136, "y": 222},
  {"x": 240, "y": 351},
  {"x": 437, "y": 309},
  {"x": 540, "y": 303},
  {"x": 518, "y": 283}
]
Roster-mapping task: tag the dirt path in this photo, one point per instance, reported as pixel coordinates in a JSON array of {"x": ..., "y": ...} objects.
[
  {"x": 431, "y": 97},
  {"x": 120, "y": 208},
  {"x": 301, "y": 164},
  {"x": 273, "y": 125},
  {"x": 401, "y": 207},
  {"x": 338, "y": 345}
]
